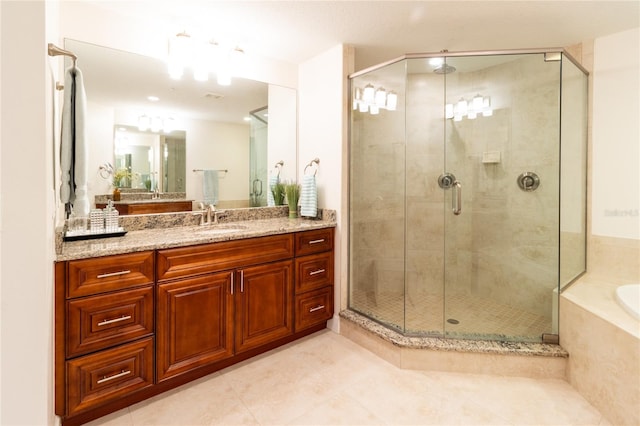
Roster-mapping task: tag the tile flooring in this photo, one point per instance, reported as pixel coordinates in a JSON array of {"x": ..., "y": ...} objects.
[{"x": 325, "y": 379}]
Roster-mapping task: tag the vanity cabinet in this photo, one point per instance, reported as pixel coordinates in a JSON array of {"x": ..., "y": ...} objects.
[
  {"x": 149, "y": 207},
  {"x": 217, "y": 300},
  {"x": 134, "y": 325},
  {"x": 105, "y": 313},
  {"x": 195, "y": 323},
  {"x": 264, "y": 304},
  {"x": 314, "y": 278}
]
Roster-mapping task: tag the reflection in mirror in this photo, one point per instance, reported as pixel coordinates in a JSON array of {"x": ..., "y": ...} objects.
[
  {"x": 217, "y": 119},
  {"x": 149, "y": 160}
]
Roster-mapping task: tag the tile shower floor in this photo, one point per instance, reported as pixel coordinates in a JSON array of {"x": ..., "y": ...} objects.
[
  {"x": 475, "y": 316},
  {"x": 325, "y": 379}
]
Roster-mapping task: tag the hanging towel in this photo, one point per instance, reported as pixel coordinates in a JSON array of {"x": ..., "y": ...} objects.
[
  {"x": 210, "y": 187},
  {"x": 73, "y": 145},
  {"x": 308, "y": 197},
  {"x": 273, "y": 180}
]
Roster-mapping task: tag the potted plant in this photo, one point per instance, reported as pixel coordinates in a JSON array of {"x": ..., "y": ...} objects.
[
  {"x": 293, "y": 194},
  {"x": 278, "y": 191}
]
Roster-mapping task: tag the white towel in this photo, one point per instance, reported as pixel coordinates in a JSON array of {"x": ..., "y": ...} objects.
[
  {"x": 210, "y": 187},
  {"x": 73, "y": 145},
  {"x": 308, "y": 196},
  {"x": 273, "y": 180}
]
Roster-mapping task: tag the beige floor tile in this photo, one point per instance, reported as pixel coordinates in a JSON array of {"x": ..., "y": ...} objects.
[
  {"x": 338, "y": 410},
  {"x": 326, "y": 379},
  {"x": 207, "y": 401},
  {"x": 118, "y": 418}
]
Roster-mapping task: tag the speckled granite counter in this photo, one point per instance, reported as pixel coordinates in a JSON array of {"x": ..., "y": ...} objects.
[
  {"x": 453, "y": 345},
  {"x": 180, "y": 236}
]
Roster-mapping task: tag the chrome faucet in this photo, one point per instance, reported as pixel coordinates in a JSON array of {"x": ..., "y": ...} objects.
[{"x": 211, "y": 212}]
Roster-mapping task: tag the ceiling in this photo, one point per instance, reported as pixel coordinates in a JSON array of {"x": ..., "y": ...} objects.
[{"x": 295, "y": 31}]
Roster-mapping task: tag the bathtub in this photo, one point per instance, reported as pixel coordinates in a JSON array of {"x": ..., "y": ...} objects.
[{"x": 628, "y": 296}]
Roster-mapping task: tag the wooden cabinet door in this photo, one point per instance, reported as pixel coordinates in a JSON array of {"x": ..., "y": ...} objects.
[
  {"x": 194, "y": 323},
  {"x": 264, "y": 304}
]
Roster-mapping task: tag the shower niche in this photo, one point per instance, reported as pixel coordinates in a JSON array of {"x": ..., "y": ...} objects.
[{"x": 467, "y": 192}]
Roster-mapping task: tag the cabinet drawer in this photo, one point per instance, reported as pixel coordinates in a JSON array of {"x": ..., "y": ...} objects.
[
  {"x": 105, "y": 376},
  {"x": 189, "y": 261},
  {"x": 317, "y": 241},
  {"x": 314, "y": 271},
  {"x": 313, "y": 308},
  {"x": 98, "y": 322},
  {"x": 103, "y": 274}
]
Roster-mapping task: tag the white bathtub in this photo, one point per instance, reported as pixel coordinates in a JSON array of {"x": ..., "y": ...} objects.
[{"x": 628, "y": 296}]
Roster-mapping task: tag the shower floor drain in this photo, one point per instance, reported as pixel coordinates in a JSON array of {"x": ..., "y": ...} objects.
[{"x": 453, "y": 321}]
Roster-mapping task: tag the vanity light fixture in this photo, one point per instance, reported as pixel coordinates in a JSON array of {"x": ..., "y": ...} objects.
[
  {"x": 155, "y": 124},
  {"x": 478, "y": 105},
  {"x": 144, "y": 123},
  {"x": 204, "y": 57},
  {"x": 372, "y": 100}
]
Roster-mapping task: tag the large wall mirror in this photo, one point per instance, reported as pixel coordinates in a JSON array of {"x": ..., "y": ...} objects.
[{"x": 165, "y": 132}]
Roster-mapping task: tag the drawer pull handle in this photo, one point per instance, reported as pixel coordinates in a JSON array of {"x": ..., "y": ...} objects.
[
  {"x": 111, "y": 321},
  {"x": 319, "y": 271},
  {"x": 114, "y": 274},
  {"x": 321, "y": 240},
  {"x": 115, "y": 376},
  {"x": 317, "y": 308}
]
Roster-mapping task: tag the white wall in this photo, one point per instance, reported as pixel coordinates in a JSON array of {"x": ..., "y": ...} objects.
[
  {"x": 616, "y": 136},
  {"x": 282, "y": 134},
  {"x": 322, "y": 132},
  {"x": 26, "y": 215}
]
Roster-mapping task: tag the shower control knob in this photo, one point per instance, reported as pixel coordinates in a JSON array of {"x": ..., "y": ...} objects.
[
  {"x": 528, "y": 181},
  {"x": 446, "y": 180}
]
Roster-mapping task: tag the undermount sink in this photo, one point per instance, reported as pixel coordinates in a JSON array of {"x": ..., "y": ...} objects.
[{"x": 221, "y": 230}]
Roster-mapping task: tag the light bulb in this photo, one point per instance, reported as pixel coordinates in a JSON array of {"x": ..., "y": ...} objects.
[
  {"x": 477, "y": 103},
  {"x": 462, "y": 107},
  {"x": 369, "y": 93},
  {"x": 392, "y": 101},
  {"x": 144, "y": 123},
  {"x": 381, "y": 97},
  {"x": 374, "y": 110},
  {"x": 448, "y": 111}
]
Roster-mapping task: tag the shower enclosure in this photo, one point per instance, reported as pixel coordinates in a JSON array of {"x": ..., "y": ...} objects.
[{"x": 467, "y": 192}]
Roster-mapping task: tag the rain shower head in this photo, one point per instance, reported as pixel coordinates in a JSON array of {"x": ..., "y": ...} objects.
[{"x": 444, "y": 69}]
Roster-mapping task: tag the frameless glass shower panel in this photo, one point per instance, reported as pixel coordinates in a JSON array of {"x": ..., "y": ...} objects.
[
  {"x": 501, "y": 211},
  {"x": 573, "y": 172},
  {"x": 258, "y": 160},
  {"x": 377, "y": 195},
  {"x": 424, "y": 273}
]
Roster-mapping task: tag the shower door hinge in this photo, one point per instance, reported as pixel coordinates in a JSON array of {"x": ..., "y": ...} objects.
[{"x": 550, "y": 338}]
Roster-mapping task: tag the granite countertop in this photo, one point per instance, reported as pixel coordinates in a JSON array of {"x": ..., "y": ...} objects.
[{"x": 180, "y": 236}]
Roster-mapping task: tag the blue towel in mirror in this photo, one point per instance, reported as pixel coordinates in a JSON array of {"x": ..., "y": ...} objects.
[
  {"x": 273, "y": 180},
  {"x": 210, "y": 187}
]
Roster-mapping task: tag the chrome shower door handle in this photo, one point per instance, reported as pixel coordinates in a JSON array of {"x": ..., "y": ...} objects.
[{"x": 456, "y": 198}]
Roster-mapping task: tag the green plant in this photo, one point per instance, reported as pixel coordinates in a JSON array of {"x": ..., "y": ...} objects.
[
  {"x": 120, "y": 175},
  {"x": 278, "y": 191},
  {"x": 293, "y": 194}
]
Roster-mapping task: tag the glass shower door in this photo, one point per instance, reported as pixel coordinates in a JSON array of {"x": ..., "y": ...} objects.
[{"x": 501, "y": 189}]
